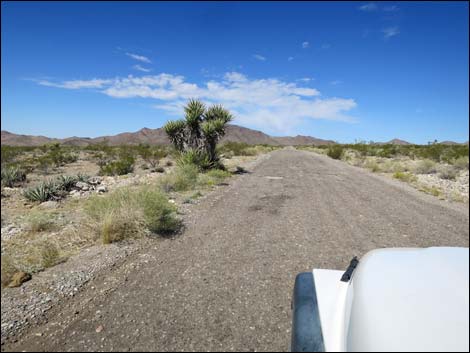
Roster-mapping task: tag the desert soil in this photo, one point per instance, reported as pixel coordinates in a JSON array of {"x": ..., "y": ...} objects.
[{"x": 226, "y": 282}]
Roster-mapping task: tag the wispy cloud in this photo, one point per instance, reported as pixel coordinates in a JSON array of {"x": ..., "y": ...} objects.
[
  {"x": 259, "y": 57},
  {"x": 326, "y": 46},
  {"x": 390, "y": 32},
  {"x": 290, "y": 58},
  {"x": 305, "y": 45},
  {"x": 306, "y": 79},
  {"x": 141, "y": 58},
  {"x": 391, "y": 8},
  {"x": 76, "y": 84},
  {"x": 141, "y": 68},
  {"x": 270, "y": 104},
  {"x": 336, "y": 82},
  {"x": 371, "y": 6}
]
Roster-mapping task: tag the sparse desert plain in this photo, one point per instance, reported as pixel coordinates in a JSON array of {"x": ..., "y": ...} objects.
[{"x": 91, "y": 233}]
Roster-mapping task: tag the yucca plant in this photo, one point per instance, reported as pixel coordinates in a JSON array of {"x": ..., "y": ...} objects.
[{"x": 200, "y": 130}]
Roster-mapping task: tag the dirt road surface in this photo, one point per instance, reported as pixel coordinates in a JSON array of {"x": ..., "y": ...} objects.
[{"x": 226, "y": 283}]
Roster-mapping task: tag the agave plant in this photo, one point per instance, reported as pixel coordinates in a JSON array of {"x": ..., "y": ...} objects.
[
  {"x": 200, "y": 130},
  {"x": 66, "y": 182},
  {"x": 45, "y": 191},
  {"x": 12, "y": 175}
]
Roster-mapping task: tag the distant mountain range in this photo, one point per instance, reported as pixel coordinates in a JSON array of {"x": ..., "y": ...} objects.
[
  {"x": 234, "y": 133},
  {"x": 157, "y": 136}
]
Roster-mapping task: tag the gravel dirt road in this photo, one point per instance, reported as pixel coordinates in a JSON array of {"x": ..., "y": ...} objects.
[{"x": 226, "y": 282}]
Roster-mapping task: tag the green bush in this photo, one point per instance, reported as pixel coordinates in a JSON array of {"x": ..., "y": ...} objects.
[
  {"x": 461, "y": 163},
  {"x": 335, "y": 151},
  {"x": 119, "y": 167},
  {"x": 12, "y": 175},
  {"x": 128, "y": 212},
  {"x": 184, "y": 177}
]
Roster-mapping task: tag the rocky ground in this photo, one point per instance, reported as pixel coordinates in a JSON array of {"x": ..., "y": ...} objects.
[{"x": 31, "y": 303}]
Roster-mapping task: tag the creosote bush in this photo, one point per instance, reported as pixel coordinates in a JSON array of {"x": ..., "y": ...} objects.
[
  {"x": 335, "y": 151},
  {"x": 426, "y": 166}
]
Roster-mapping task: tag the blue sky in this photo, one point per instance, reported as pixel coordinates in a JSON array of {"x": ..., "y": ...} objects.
[{"x": 339, "y": 70}]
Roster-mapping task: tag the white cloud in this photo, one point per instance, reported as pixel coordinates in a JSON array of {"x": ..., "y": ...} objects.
[
  {"x": 76, "y": 84},
  {"x": 259, "y": 57},
  {"x": 326, "y": 46},
  {"x": 290, "y": 58},
  {"x": 305, "y": 45},
  {"x": 391, "y": 8},
  {"x": 369, "y": 7},
  {"x": 269, "y": 104},
  {"x": 306, "y": 79},
  {"x": 141, "y": 58},
  {"x": 390, "y": 32},
  {"x": 141, "y": 68},
  {"x": 336, "y": 82}
]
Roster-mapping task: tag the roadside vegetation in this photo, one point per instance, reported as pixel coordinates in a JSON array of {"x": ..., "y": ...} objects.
[
  {"x": 437, "y": 169},
  {"x": 59, "y": 199}
]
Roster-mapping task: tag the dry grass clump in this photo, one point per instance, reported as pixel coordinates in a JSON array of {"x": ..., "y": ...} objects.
[
  {"x": 425, "y": 166},
  {"x": 448, "y": 172},
  {"x": 131, "y": 212},
  {"x": 38, "y": 221},
  {"x": 372, "y": 165},
  {"x": 405, "y": 176}
]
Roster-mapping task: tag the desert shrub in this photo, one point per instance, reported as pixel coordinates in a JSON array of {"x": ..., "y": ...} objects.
[
  {"x": 49, "y": 254},
  {"x": 121, "y": 166},
  {"x": 45, "y": 191},
  {"x": 461, "y": 163},
  {"x": 151, "y": 154},
  {"x": 59, "y": 155},
  {"x": 426, "y": 166},
  {"x": 9, "y": 153},
  {"x": 230, "y": 149},
  {"x": 39, "y": 222},
  {"x": 129, "y": 212},
  {"x": 12, "y": 175},
  {"x": 8, "y": 269},
  {"x": 184, "y": 177},
  {"x": 404, "y": 176},
  {"x": 213, "y": 177},
  {"x": 372, "y": 165},
  {"x": 44, "y": 164},
  {"x": 335, "y": 151},
  {"x": 158, "y": 213},
  {"x": 390, "y": 166},
  {"x": 448, "y": 172}
]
